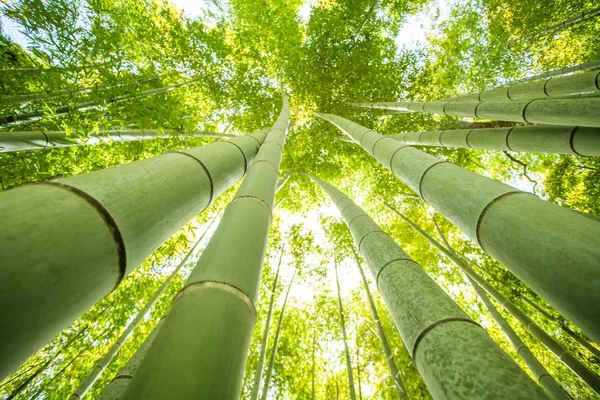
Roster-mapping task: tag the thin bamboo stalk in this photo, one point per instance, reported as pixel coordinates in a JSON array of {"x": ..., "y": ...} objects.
[
  {"x": 387, "y": 351},
  {"x": 200, "y": 351},
  {"x": 533, "y": 138},
  {"x": 563, "y": 71},
  {"x": 36, "y": 140},
  {"x": 67, "y": 243},
  {"x": 586, "y": 375},
  {"x": 533, "y": 238},
  {"x": 455, "y": 356},
  {"x": 345, "y": 338},
  {"x": 14, "y": 119},
  {"x": 265, "y": 337},
  {"x": 269, "y": 374}
]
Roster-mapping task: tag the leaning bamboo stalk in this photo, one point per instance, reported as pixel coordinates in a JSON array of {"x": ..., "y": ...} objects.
[
  {"x": 537, "y": 369},
  {"x": 89, "y": 381},
  {"x": 586, "y": 375},
  {"x": 532, "y": 138},
  {"x": 577, "y": 337},
  {"x": 582, "y": 111},
  {"x": 14, "y": 119},
  {"x": 27, "y": 97},
  {"x": 67, "y": 243},
  {"x": 533, "y": 238},
  {"x": 562, "y": 86},
  {"x": 387, "y": 351},
  {"x": 269, "y": 374},
  {"x": 344, "y": 338},
  {"x": 201, "y": 349},
  {"x": 455, "y": 356},
  {"x": 36, "y": 140},
  {"x": 265, "y": 338}
]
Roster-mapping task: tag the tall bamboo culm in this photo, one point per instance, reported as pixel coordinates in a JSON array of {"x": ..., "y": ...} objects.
[
  {"x": 550, "y": 248},
  {"x": 36, "y": 140},
  {"x": 387, "y": 351},
  {"x": 200, "y": 351},
  {"x": 68, "y": 243},
  {"x": 89, "y": 381},
  {"x": 585, "y": 374},
  {"x": 571, "y": 112},
  {"x": 533, "y": 138},
  {"x": 455, "y": 356}
]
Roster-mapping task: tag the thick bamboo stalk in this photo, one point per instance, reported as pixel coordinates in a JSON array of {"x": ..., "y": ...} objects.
[
  {"x": 36, "y": 140},
  {"x": 263, "y": 345},
  {"x": 582, "y": 111},
  {"x": 37, "y": 115},
  {"x": 26, "y": 97},
  {"x": 67, "y": 243},
  {"x": 455, "y": 356},
  {"x": 117, "y": 386},
  {"x": 552, "y": 249},
  {"x": 552, "y": 139},
  {"x": 89, "y": 381},
  {"x": 200, "y": 351},
  {"x": 586, "y": 375},
  {"x": 577, "y": 337},
  {"x": 387, "y": 351},
  {"x": 345, "y": 338},
  {"x": 269, "y": 374},
  {"x": 537, "y": 369}
]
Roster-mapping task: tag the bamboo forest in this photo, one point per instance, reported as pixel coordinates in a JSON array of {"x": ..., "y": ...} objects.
[{"x": 300, "y": 199}]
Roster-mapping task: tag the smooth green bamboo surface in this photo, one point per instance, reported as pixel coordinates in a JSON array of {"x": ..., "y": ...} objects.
[
  {"x": 36, "y": 140},
  {"x": 66, "y": 244},
  {"x": 585, "y": 374},
  {"x": 455, "y": 356},
  {"x": 573, "y": 112},
  {"x": 345, "y": 338},
  {"x": 554, "y": 250},
  {"x": 200, "y": 351},
  {"x": 585, "y": 82},
  {"x": 553, "y": 139},
  {"x": 115, "y": 389}
]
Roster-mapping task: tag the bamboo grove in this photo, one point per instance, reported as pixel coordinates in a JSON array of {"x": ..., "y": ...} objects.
[{"x": 299, "y": 200}]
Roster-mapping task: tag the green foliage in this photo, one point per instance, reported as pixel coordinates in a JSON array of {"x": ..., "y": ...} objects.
[{"x": 240, "y": 54}]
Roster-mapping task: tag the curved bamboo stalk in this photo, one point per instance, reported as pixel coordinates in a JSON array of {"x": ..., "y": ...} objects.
[
  {"x": 276, "y": 341},
  {"x": 15, "y": 119},
  {"x": 36, "y": 140},
  {"x": 582, "y": 111},
  {"x": 200, "y": 351},
  {"x": 533, "y": 238},
  {"x": 89, "y": 381},
  {"x": 265, "y": 338},
  {"x": 345, "y": 338},
  {"x": 27, "y": 97},
  {"x": 387, "y": 351},
  {"x": 533, "y": 138},
  {"x": 586, "y": 375},
  {"x": 456, "y": 357},
  {"x": 67, "y": 243}
]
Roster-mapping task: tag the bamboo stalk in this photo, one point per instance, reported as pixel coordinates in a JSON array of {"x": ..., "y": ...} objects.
[
  {"x": 534, "y": 138},
  {"x": 200, "y": 351},
  {"x": 455, "y": 356},
  {"x": 67, "y": 243},
  {"x": 585, "y": 374},
  {"x": 345, "y": 338},
  {"x": 534, "y": 239}
]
